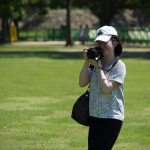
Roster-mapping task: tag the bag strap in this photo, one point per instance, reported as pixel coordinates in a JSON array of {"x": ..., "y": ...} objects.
[{"x": 88, "y": 89}]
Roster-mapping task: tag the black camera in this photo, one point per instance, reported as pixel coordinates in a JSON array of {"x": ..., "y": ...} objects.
[{"x": 94, "y": 52}]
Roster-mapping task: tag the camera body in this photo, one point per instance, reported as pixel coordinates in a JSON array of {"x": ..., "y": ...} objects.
[{"x": 94, "y": 53}]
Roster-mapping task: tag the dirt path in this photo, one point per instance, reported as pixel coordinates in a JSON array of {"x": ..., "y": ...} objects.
[{"x": 129, "y": 50}]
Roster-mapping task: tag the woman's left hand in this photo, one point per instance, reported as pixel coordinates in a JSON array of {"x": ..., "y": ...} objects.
[{"x": 95, "y": 63}]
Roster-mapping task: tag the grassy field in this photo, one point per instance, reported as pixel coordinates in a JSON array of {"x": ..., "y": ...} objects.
[{"x": 38, "y": 86}]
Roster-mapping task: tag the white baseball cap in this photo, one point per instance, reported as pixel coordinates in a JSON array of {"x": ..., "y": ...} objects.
[{"x": 104, "y": 33}]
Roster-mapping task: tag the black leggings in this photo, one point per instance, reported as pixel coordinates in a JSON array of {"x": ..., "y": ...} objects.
[{"x": 103, "y": 133}]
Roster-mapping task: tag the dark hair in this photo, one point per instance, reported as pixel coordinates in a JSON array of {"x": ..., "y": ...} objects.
[{"x": 118, "y": 48}]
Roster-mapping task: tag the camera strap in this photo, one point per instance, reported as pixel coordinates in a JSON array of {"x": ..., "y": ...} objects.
[{"x": 111, "y": 66}]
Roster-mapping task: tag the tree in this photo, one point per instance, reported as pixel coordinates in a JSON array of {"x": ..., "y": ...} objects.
[
  {"x": 104, "y": 9},
  {"x": 67, "y": 4},
  {"x": 9, "y": 11},
  {"x": 107, "y": 9},
  {"x": 12, "y": 10},
  {"x": 5, "y": 12},
  {"x": 69, "y": 40},
  {"x": 39, "y": 6}
]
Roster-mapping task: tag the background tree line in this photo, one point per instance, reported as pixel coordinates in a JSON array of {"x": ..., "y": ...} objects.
[{"x": 14, "y": 10}]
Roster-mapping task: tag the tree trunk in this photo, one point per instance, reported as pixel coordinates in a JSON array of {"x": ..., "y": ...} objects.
[
  {"x": 69, "y": 40},
  {"x": 5, "y": 31}
]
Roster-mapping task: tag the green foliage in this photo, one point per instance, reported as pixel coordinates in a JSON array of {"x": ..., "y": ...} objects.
[
  {"x": 11, "y": 9},
  {"x": 57, "y": 4},
  {"x": 107, "y": 9},
  {"x": 15, "y": 8},
  {"x": 39, "y": 6},
  {"x": 39, "y": 85}
]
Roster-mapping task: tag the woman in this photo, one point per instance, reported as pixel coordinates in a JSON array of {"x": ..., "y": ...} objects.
[{"x": 106, "y": 106}]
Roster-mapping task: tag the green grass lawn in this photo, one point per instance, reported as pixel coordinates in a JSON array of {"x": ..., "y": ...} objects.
[{"x": 39, "y": 85}]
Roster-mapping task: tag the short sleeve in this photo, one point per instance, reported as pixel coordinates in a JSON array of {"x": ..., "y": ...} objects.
[{"x": 118, "y": 73}]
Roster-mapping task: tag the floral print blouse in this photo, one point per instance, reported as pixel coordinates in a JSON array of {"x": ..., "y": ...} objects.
[{"x": 108, "y": 105}]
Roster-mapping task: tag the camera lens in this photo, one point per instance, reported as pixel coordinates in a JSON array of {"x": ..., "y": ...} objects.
[{"x": 94, "y": 52}]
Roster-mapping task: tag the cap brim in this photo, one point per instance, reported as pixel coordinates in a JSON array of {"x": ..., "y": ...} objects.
[{"x": 104, "y": 38}]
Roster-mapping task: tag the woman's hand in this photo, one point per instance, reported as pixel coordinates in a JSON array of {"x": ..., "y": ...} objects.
[
  {"x": 95, "y": 63},
  {"x": 85, "y": 54}
]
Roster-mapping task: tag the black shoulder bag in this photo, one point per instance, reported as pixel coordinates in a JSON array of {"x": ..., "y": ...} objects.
[{"x": 80, "y": 110}]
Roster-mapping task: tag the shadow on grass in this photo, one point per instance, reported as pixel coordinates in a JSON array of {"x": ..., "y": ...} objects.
[{"x": 64, "y": 55}]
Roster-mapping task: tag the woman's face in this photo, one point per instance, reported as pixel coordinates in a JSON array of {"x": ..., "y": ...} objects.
[{"x": 107, "y": 47}]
